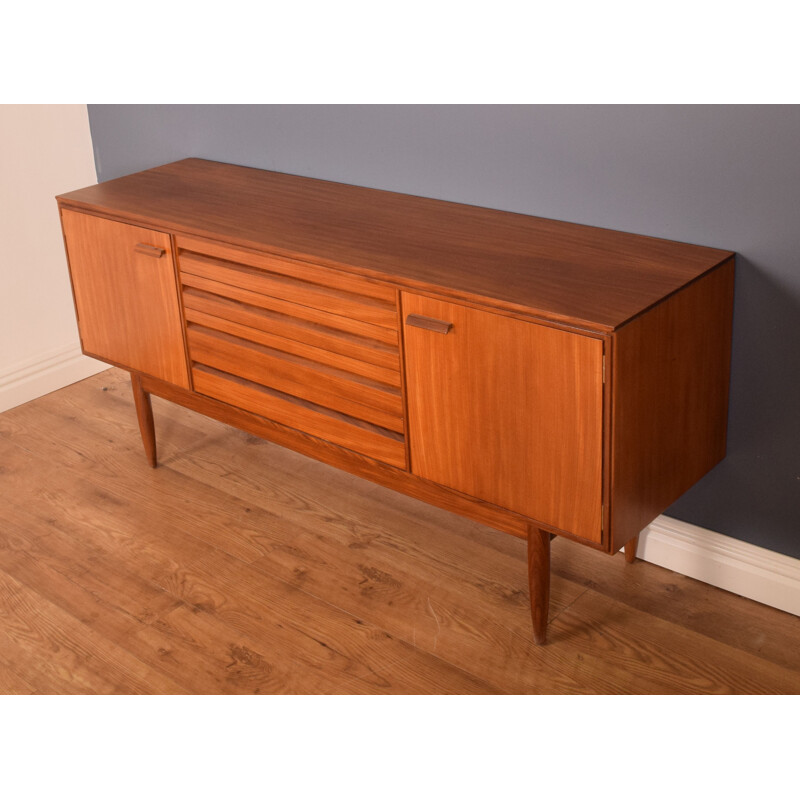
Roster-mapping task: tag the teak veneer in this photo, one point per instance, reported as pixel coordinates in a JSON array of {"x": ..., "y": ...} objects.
[{"x": 541, "y": 377}]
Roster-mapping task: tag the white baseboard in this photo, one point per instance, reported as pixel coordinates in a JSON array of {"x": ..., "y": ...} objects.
[
  {"x": 45, "y": 373},
  {"x": 721, "y": 561}
]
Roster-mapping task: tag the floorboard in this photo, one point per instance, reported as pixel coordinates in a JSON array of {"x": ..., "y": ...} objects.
[{"x": 239, "y": 567}]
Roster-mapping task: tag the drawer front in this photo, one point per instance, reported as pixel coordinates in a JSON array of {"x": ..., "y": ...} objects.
[{"x": 307, "y": 346}]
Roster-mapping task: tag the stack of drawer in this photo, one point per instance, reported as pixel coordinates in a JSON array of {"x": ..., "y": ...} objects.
[{"x": 307, "y": 346}]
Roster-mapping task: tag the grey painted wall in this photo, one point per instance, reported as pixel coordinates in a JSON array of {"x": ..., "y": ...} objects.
[{"x": 724, "y": 176}]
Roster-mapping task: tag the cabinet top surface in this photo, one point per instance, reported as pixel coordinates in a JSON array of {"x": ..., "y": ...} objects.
[{"x": 589, "y": 277}]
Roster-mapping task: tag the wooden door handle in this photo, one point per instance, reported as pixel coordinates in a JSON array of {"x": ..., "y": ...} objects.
[
  {"x": 429, "y": 323},
  {"x": 149, "y": 250}
]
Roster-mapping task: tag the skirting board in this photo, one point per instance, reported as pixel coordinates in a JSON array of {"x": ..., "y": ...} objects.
[
  {"x": 44, "y": 374},
  {"x": 738, "y": 567}
]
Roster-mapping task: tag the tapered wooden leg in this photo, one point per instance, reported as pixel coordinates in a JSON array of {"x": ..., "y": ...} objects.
[
  {"x": 539, "y": 581},
  {"x": 144, "y": 413},
  {"x": 630, "y": 549}
]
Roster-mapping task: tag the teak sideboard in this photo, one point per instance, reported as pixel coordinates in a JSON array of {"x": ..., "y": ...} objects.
[{"x": 541, "y": 377}]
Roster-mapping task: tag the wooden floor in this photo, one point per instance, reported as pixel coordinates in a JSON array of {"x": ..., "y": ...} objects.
[{"x": 241, "y": 567}]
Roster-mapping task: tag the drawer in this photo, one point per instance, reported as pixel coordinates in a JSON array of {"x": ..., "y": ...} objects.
[
  {"x": 200, "y": 306},
  {"x": 302, "y": 344},
  {"x": 292, "y": 283},
  {"x": 333, "y": 388},
  {"x": 349, "y": 432}
]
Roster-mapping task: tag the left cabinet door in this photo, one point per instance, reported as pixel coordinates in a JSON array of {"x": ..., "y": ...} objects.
[{"x": 126, "y": 295}]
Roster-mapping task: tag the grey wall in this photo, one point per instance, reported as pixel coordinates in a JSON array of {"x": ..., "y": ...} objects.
[{"x": 724, "y": 176}]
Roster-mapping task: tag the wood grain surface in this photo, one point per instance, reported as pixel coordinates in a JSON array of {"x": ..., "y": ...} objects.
[
  {"x": 671, "y": 370},
  {"x": 560, "y": 271},
  {"x": 354, "y": 434},
  {"x": 507, "y": 411},
  {"x": 333, "y": 388},
  {"x": 126, "y": 300},
  {"x": 539, "y": 581},
  {"x": 200, "y": 305},
  {"x": 144, "y": 415},
  {"x": 242, "y": 567}
]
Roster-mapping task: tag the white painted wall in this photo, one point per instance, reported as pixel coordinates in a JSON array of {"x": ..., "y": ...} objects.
[{"x": 44, "y": 150}]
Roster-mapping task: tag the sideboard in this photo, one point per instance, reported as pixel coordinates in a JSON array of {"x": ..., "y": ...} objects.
[{"x": 542, "y": 377}]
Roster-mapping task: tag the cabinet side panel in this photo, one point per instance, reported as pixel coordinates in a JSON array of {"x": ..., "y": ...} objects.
[
  {"x": 126, "y": 300},
  {"x": 671, "y": 371}
]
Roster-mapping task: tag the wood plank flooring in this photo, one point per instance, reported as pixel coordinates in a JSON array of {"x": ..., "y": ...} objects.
[{"x": 241, "y": 567}]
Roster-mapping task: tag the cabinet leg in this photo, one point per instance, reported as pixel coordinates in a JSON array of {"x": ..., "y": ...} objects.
[
  {"x": 630, "y": 549},
  {"x": 539, "y": 581},
  {"x": 144, "y": 413}
]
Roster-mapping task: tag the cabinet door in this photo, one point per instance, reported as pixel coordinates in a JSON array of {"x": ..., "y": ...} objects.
[
  {"x": 126, "y": 295},
  {"x": 507, "y": 411}
]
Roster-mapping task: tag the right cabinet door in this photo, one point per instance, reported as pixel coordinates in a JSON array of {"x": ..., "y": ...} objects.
[{"x": 506, "y": 411}]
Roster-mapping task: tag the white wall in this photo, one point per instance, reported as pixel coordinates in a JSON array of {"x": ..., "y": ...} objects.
[{"x": 44, "y": 150}]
